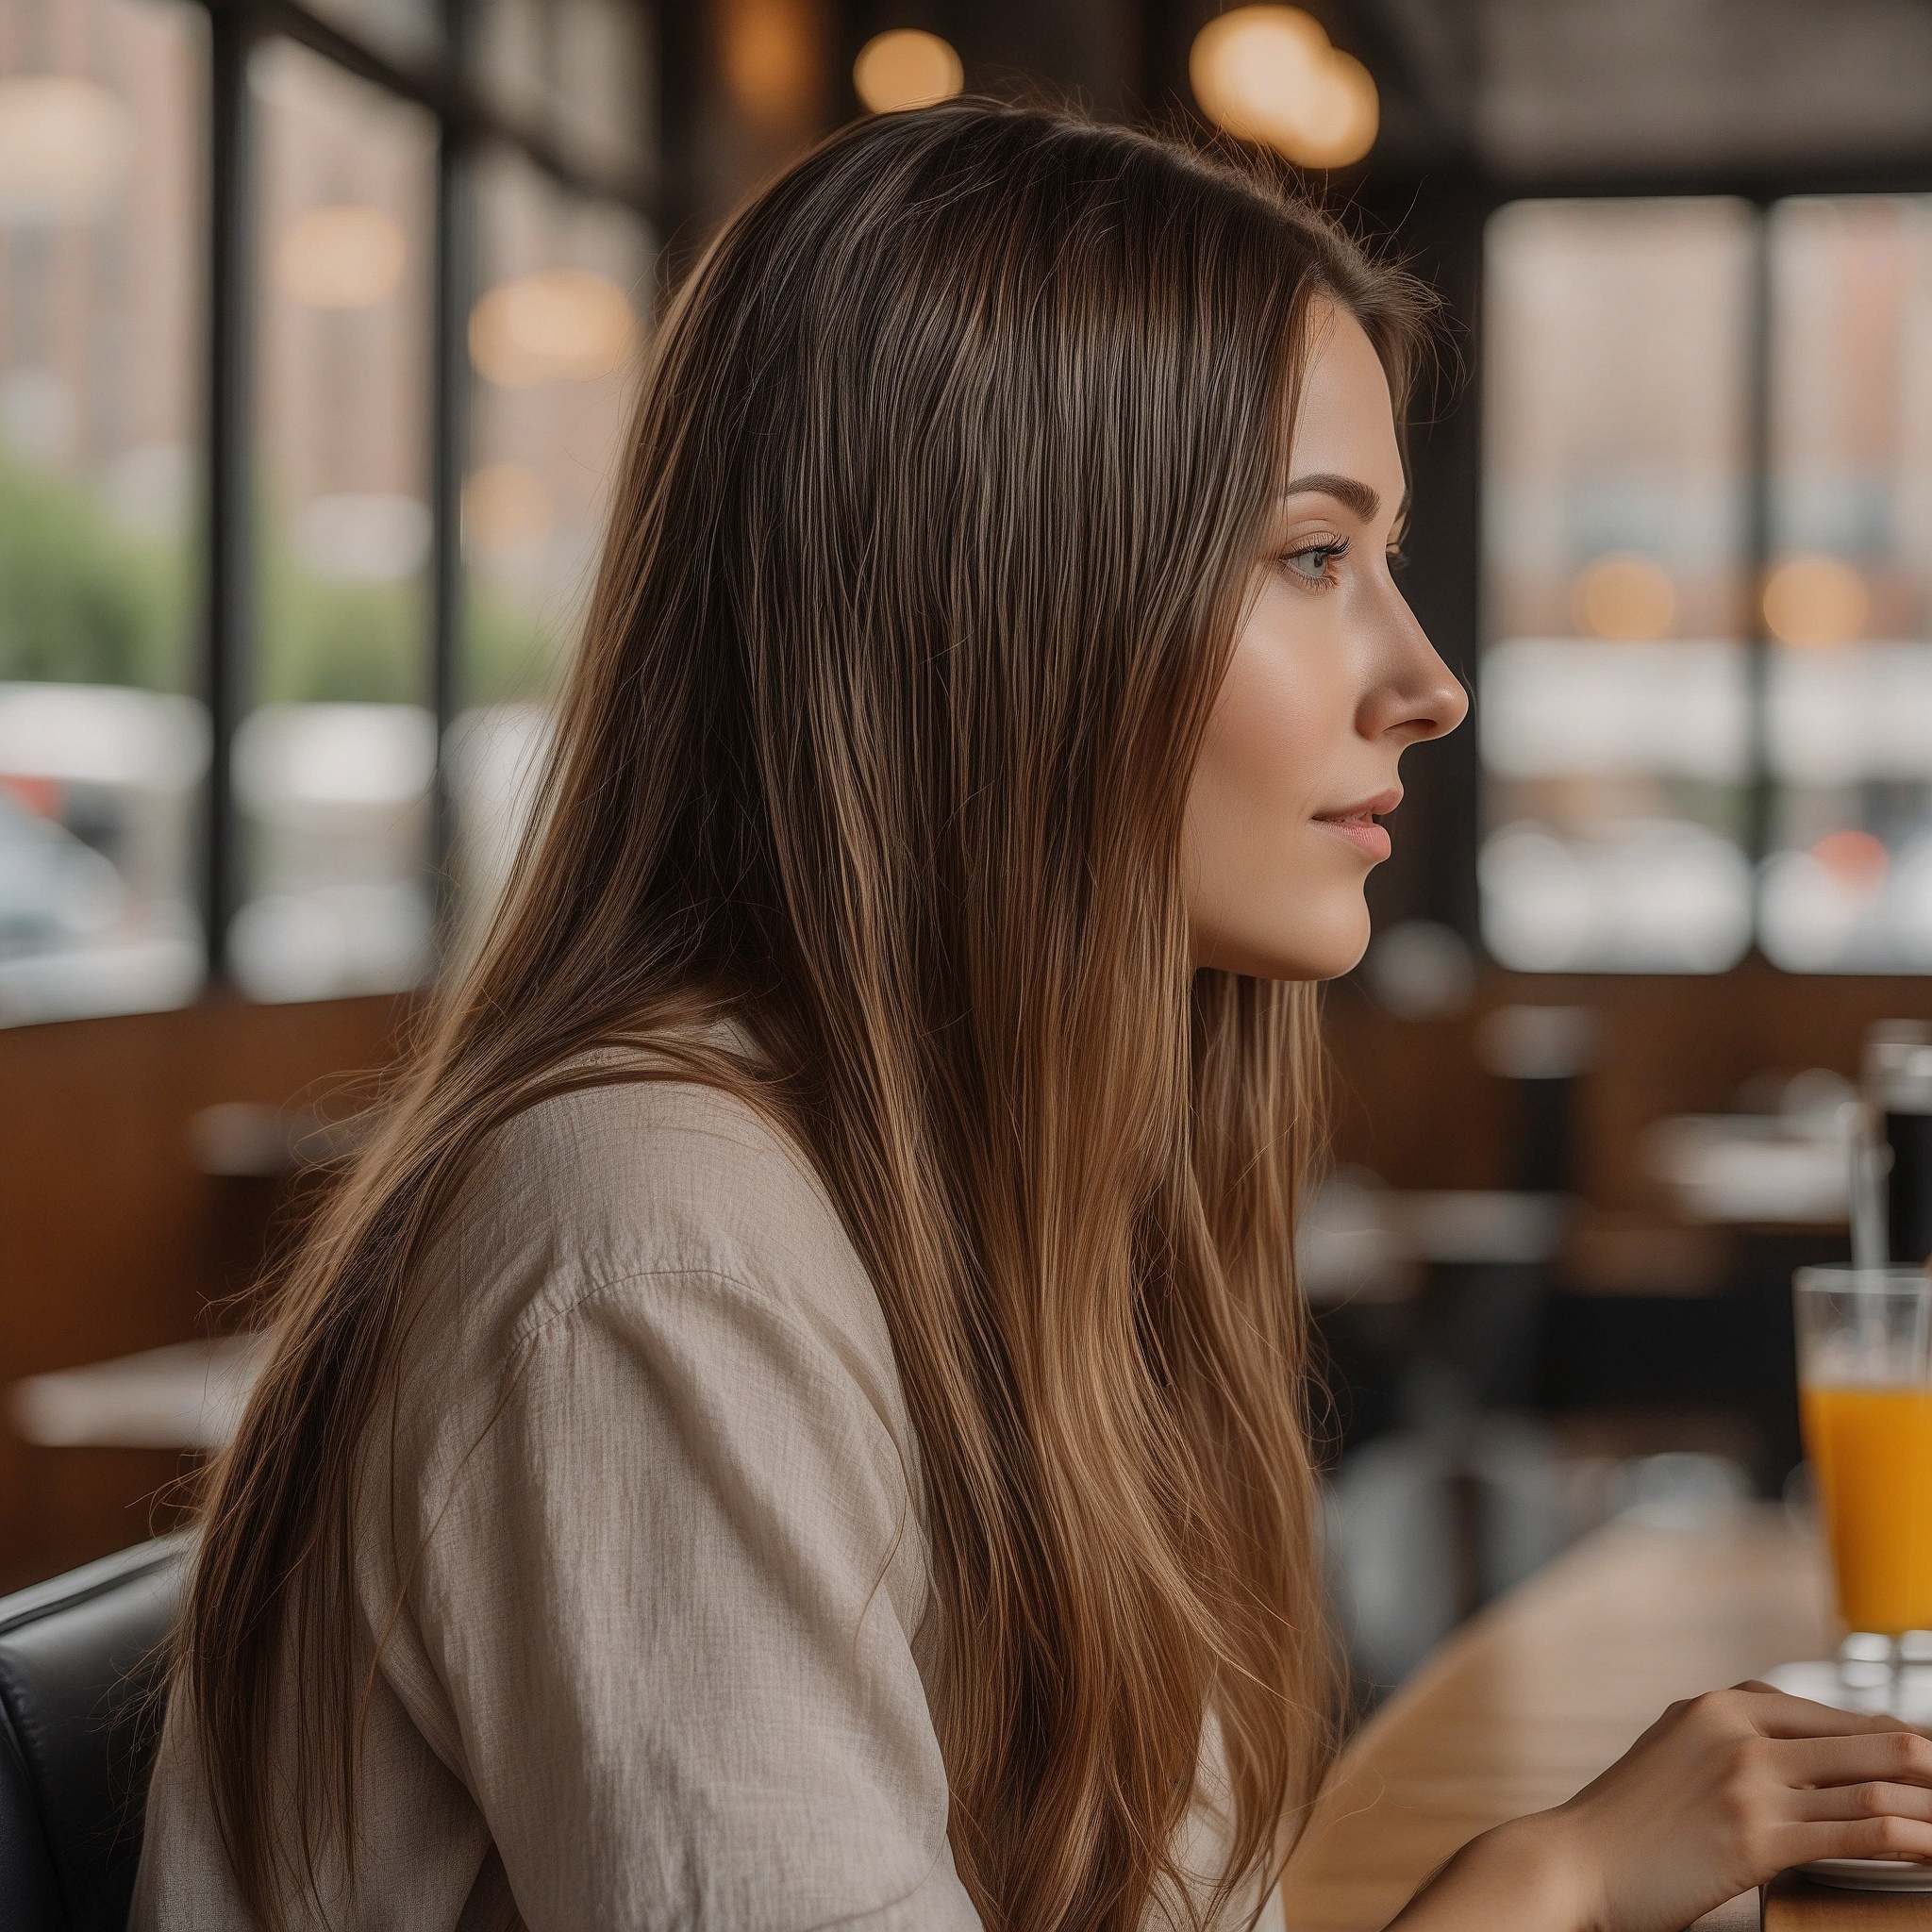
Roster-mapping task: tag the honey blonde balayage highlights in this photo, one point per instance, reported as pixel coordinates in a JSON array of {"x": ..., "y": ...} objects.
[{"x": 947, "y": 477}]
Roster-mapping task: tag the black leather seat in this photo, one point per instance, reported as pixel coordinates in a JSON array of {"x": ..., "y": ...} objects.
[{"x": 79, "y": 1660}]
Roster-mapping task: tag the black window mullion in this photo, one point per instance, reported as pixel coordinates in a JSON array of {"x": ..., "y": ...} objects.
[
  {"x": 448, "y": 456},
  {"x": 443, "y": 88},
  {"x": 229, "y": 535}
]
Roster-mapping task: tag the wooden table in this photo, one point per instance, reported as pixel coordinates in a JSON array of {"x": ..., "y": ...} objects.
[{"x": 1529, "y": 1701}]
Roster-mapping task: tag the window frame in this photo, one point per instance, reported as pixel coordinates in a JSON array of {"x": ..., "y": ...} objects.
[
  {"x": 1761, "y": 190},
  {"x": 466, "y": 122}
]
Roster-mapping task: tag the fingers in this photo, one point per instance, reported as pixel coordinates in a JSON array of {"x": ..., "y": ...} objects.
[
  {"x": 1838, "y": 1803},
  {"x": 1898, "y": 1756},
  {"x": 1860, "y": 1837},
  {"x": 1777, "y": 1714}
]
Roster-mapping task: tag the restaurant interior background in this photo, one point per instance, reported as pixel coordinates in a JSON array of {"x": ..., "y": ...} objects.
[{"x": 316, "y": 327}]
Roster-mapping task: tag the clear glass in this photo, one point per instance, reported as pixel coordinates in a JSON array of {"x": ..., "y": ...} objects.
[
  {"x": 1615, "y": 696},
  {"x": 332, "y": 772},
  {"x": 600, "y": 99},
  {"x": 554, "y": 338},
  {"x": 1865, "y": 1397},
  {"x": 576, "y": 69},
  {"x": 102, "y": 751},
  {"x": 1848, "y": 884}
]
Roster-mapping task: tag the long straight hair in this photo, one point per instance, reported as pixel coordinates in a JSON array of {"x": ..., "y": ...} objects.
[{"x": 948, "y": 474}]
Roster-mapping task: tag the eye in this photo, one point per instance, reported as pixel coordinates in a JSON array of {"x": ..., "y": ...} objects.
[
  {"x": 1398, "y": 557},
  {"x": 1312, "y": 563}
]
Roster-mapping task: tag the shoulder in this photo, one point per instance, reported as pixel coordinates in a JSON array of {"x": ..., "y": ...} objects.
[
  {"x": 637, "y": 1250},
  {"x": 638, "y": 1277},
  {"x": 656, "y": 1174},
  {"x": 610, "y": 1188}
]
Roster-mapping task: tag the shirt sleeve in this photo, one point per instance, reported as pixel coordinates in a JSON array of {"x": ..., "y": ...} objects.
[{"x": 672, "y": 1601}]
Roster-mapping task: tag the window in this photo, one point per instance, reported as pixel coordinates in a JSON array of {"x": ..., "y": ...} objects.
[
  {"x": 553, "y": 337},
  {"x": 1848, "y": 880},
  {"x": 333, "y": 768},
  {"x": 276, "y": 646},
  {"x": 1706, "y": 693},
  {"x": 1614, "y": 696},
  {"x": 103, "y": 743},
  {"x": 576, "y": 70}
]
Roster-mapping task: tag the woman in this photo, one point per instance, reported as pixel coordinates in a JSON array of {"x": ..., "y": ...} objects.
[{"x": 797, "y": 1420}]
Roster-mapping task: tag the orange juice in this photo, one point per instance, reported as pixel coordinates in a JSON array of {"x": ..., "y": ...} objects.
[{"x": 1870, "y": 1450}]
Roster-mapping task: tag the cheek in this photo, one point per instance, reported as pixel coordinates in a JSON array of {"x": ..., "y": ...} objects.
[
  {"x": 1267, "y": 892},
  {"x": 1282, "y": 713}
]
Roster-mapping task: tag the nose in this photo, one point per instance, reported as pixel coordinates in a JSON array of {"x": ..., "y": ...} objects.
[{"x": 1415, "y": 695}]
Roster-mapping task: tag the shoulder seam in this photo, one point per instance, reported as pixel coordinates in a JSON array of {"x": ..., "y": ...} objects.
[{"x": 530, "y": 1325}]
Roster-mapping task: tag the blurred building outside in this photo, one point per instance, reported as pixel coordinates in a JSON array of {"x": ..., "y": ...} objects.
[
  {"x": 1674, "y": 386},
  {"x": 103, "y": 748},
  {"x": 1706, "y": 695}
]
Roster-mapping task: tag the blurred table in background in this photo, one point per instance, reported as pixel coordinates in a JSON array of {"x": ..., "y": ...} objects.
[
  {"x": 1526, "y": 1705},
  {"x": 100, "y": 1451},
  {"x": 189, "y": 1395}
]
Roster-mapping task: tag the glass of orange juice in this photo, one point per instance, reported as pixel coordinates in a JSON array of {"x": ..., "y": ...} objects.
[{"x": 1865, "y": 1400}]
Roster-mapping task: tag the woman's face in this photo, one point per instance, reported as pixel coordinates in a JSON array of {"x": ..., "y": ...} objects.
[{"x": 1331, "y": 680}]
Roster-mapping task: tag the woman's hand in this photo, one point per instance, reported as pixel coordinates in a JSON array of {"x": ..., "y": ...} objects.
[{"x": 1719, "y": 1794}]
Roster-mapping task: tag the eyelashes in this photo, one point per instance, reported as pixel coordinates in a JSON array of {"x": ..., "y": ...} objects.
[
  {"x": 1310, "y": 564},
  {"x": 1327, "y": 551}
]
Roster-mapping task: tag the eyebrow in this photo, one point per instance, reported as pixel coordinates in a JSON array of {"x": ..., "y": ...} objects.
[{"x": 1357, "y": 495}]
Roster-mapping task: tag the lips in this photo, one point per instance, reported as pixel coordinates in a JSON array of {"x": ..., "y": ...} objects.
[{"x": 1356, "y": 823}]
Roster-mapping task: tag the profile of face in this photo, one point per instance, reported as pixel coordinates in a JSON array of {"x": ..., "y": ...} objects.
[{"x": 1330, "y": 682}]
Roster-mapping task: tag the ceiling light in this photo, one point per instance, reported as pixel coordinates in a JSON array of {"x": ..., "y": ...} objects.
[
  {"x": 906, "y": 69},
  {"x": 770, "y": 59},
  {"x": 1268, "y": 74},
  {"x": 1343, "y": 118}
]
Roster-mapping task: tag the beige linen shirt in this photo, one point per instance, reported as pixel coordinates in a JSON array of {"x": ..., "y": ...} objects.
[{"x": 663, "y": 1659}]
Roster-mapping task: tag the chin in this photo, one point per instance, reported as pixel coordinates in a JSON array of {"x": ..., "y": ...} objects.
[{"x": 1309, "y": 949}]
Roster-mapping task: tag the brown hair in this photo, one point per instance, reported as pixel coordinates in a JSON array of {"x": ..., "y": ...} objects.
[{"x": 947, "y": 478}]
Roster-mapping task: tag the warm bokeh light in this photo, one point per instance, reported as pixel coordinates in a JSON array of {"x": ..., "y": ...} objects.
[
  {"x": 506, "y": 507},
  {"x": 1854, "y": 857},
  {"x": 770, "y": 52},
  {"x": 1342, "y": 122},
  {"x": 566, "y": 325},
  {"x": 65, "y": 146},
  {"x": 1268, "y": 74},
  {"x": 1815, "y": 600},
  {"x": 342, "y": 257},
  {"x": 1247, "y": 64},
  {"x": 1626, "y": 596},
  {"x": 906, "y": 69}
]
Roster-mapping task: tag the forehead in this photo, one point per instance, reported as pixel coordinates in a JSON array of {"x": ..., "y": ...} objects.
[{"x": 1345, "y": 419}]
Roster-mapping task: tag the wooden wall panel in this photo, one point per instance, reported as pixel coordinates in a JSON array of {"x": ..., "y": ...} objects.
[
  {"x": 110, "y": 1237},
  {"x": 1413, "y": 1102}
]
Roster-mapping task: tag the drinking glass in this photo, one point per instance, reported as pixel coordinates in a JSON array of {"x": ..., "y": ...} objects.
[{"x": 1865, "y": 1399}]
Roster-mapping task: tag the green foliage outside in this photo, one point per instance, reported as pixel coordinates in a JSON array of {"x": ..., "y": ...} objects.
[
  {"x": 508, "y": 654},
  {"x": 85, "y": 601},
  {"x": 81, "y": 601},
  {"x": 326, "y": 641}
]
